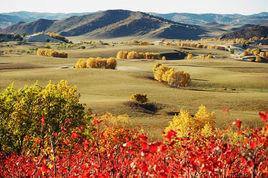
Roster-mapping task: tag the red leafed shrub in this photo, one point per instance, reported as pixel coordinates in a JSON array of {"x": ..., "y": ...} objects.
[{"x": 131, "y": 154}]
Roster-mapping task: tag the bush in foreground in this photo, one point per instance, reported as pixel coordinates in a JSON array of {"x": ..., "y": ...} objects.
[
  {"x": 124, "y": 152},
  {"x": 21, "y": 111}
]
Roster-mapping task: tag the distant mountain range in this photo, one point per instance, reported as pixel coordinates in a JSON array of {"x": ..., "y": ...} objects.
[
  {"x": 225, "y": 19},
  {"x": 121, "y": 23},
  {"x": 111, "y": 24},
  {"x": 7, "y": 19}
]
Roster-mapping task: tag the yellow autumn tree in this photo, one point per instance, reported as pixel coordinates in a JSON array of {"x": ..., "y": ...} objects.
[
  {"x": 181, "y": 124},
  {"x": 190, "y": 56},
  {"x": 207, "y": 131},
  {"x": 203, "y": 117},
  {"x": 111, "y": 63},
  {"x": 132, "y": 55},
  {"x": 202, "y": 123},
  {"x": 168, "y": 74},
  {"x": 81, "y": 63},
  {"x": 179, "y": 79},
  {"x": 159, "y": 70}
]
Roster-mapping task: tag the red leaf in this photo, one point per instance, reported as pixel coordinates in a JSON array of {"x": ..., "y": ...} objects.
[
  {"x": 86, "y": 144},
  {"x": 153, "y": 148},
  {"x": 96, "y": 121},
  {"x": 171, "y": 134},
  {"x": 44, "y": 169},
  {"x": 144, "y": 145},
  {"x": 74, "y": 135},
  {"x": 263, "y": 116},
  {"x": 129, "y": 144},
  {"x": 253, "y": 145},
  {"x": 144, "y": 167},
  {"x": 143, "y": 137},
  {"x": 43, "y": 120},
  {"x": 237, "y": 123}
]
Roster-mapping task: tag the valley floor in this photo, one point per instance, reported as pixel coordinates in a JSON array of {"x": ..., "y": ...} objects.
[{"x": 233, "y": 89}]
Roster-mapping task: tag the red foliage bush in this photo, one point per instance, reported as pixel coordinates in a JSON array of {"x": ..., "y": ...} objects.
[{"x": 131, "y": 154}]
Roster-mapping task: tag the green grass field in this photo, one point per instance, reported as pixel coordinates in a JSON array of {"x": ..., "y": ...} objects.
[{"x": 217, "y": 83}]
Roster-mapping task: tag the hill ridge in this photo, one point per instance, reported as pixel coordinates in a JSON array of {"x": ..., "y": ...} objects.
[{"x": 110, "y": 24}]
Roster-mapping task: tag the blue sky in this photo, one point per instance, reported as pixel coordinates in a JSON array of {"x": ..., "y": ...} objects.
[{"x": 160, "y": 6}]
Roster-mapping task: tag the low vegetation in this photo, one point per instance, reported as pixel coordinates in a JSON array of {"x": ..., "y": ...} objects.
[
  {"x": 168, "y": 75},
  {"x": 190, "y": 56},
  {"x": 137, "y": 42},
  {"x": 109, "y": 63},
  {"x": 51, "y": 53}
]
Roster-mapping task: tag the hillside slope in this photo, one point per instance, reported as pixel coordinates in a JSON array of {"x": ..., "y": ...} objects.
[
  {"x": 247, "y": 31},
  {"x": 29, "y": 28},
  {"x": 110, "y": 24}
]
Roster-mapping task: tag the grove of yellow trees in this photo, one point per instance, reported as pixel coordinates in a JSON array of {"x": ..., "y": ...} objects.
[
  {"x": 51, "y": 53},
  {"x": 109, "y": 63},
  {"x": 255, "y": 51},
  {"x": 57, "y": 36},
  {"x": 170, "y": 76},
  {"x": 198, "y": 45},
  {"x": 259, "y": 54},
  {"x": 137, "y": 55}
]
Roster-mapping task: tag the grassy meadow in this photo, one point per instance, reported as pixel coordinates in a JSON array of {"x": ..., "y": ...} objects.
[{"x": 233, "y": 89}]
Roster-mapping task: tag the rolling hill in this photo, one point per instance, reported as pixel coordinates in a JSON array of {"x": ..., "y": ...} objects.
[
  {"x": 111, "y": 24},
  {"x": 247, "y": 31},
  {"x": 7, "y": 19},
  {"x": 30, "y": 27}
]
